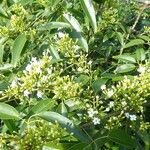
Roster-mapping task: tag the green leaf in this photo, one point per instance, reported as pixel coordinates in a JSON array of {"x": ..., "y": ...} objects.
[
  {"x": 76, "y": 31},
  {"x": 81, "y": 40},
  {"x": 65, "y": 123},
  {"x": 145, "y": 38},
  {"x": 140, "y": 54},
  {"x": 90, "y": 12},
  {"x": 120, "y": 38},
  {"x": 125, "y": 68},
  {"x": 65, "y": 146},
  {"x": 62, "y": 109},
  {"x": 10, "y": 125},
  {"x": 1, "y": 53},
  {"x": 54, "y": 53},
  {"x": 98, "y": 83},
  {"x": 6, "y": 67},
  {"x": 73, "y": 22},
  {"x": 8, "y": 112},
  {"x": 134, "y": 42},
  {"x": 125, "y": 58},
  {"x": 2, "y": 40},
  {"x": 42, "y": 106},
  {"x": 121, "y": 137},
  {"x": 54, "y": 25},
  {"x": 17, "y": 49}
]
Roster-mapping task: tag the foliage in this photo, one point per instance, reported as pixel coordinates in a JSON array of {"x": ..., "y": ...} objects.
[{"x": 74, "y": 74}]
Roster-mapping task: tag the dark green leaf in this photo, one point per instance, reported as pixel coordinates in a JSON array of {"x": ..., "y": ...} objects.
[
  {"x": 121, "y": 137},
  {"x": 65, "y": 123}
]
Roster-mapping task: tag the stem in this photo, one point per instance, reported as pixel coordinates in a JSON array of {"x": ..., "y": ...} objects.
[
  {"x": 133, "y": 27},
  {"x": 147, "y": 146}
]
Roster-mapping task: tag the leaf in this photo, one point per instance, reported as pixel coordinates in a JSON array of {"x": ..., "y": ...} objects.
[
  {"x": 126, "y": 58},
  {"x": 42, "y": 106},
  {"x": 134, "y": 42},
  {"x": 54, "y": 53},
  {"x": 53, "y": 25},
  {"x": 65, "y": 123},
  {"x": 3, "y": 13},
  {"x": 145, "y": 38},
  {"x": 90, "y": 12},
  {"x": 1, "y": 53},
  {"x": 65, "y": 146},
  {"x": 2, "y": 40},
  {"x": 8, "y": 112},
  {"x": 62, "y": 109},
  {"x": 98, "y": 83},
  {"x": 6, "y": 67},
  {"x": 17, "y": 49},
  {"x": 73, "y": 22},
  {"x": 125, "y": 68},
  {"x": 76, "y": 31},
  {"x": 140, "y": 54},
  {"x": 122, "y": 138},
  {"x": 120, "y": 38},
  {"x": 10, "y": 125},
  {"x": 82, "y": 41}
]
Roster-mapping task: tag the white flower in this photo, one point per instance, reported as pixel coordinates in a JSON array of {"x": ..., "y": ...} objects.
[
  {"x": 34, "y": 59},
  {"x": 49, "y": 71},
  {"x": 111, "y": 104},
  {"x": 38, "y": 70},
  {"x": 39, "y": 94},
  {"x": 103, "y": 87},
  {"x": 91, "y": 112},
  {"x": 96, "y": 120},
  {"x": 123, "y": 103},
  {"x": 14, "y": 83},
  {"x": 29, "y": 67},
  {"x": 132, "y": 117},
  {"x": 141, "y": 69},
  {"x": 76, "y": 47},
  {"x": 107, "y": 109},
  {"x": 90, "y": 62},
  {"x": 44, "y": 78},
  {"x": 127, "y": 115},
  {"x": 26, "y": 93},
  {"x": 45, "y": 53},
  {"x": 61, "y": 34},
  {"x": 110, "y": 93},
  {"x": 80, "y": 69}
]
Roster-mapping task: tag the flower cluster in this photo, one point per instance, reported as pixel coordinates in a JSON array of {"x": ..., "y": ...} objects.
[
  {"x": 41, "y": 79},
  {"x": 34, "y": 136},
  {"x": 129, "y": 97},
  {"x": 31, "y": 81},
  {"x": 93, "y": 115}
]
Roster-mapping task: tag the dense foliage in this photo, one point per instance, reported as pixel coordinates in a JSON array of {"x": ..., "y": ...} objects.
[{"x": 75, "y": 74}]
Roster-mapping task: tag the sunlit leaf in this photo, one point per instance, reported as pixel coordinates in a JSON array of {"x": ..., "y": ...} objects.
[
  {"x": 17, "y": 49},
  {"x": 65, "y": 123},
  {"x": 125, "y": 68},
  {"x": 90, "y": 12},
  {"x": 8, "y": 112},
  {"x": 134, "y": 43}
]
